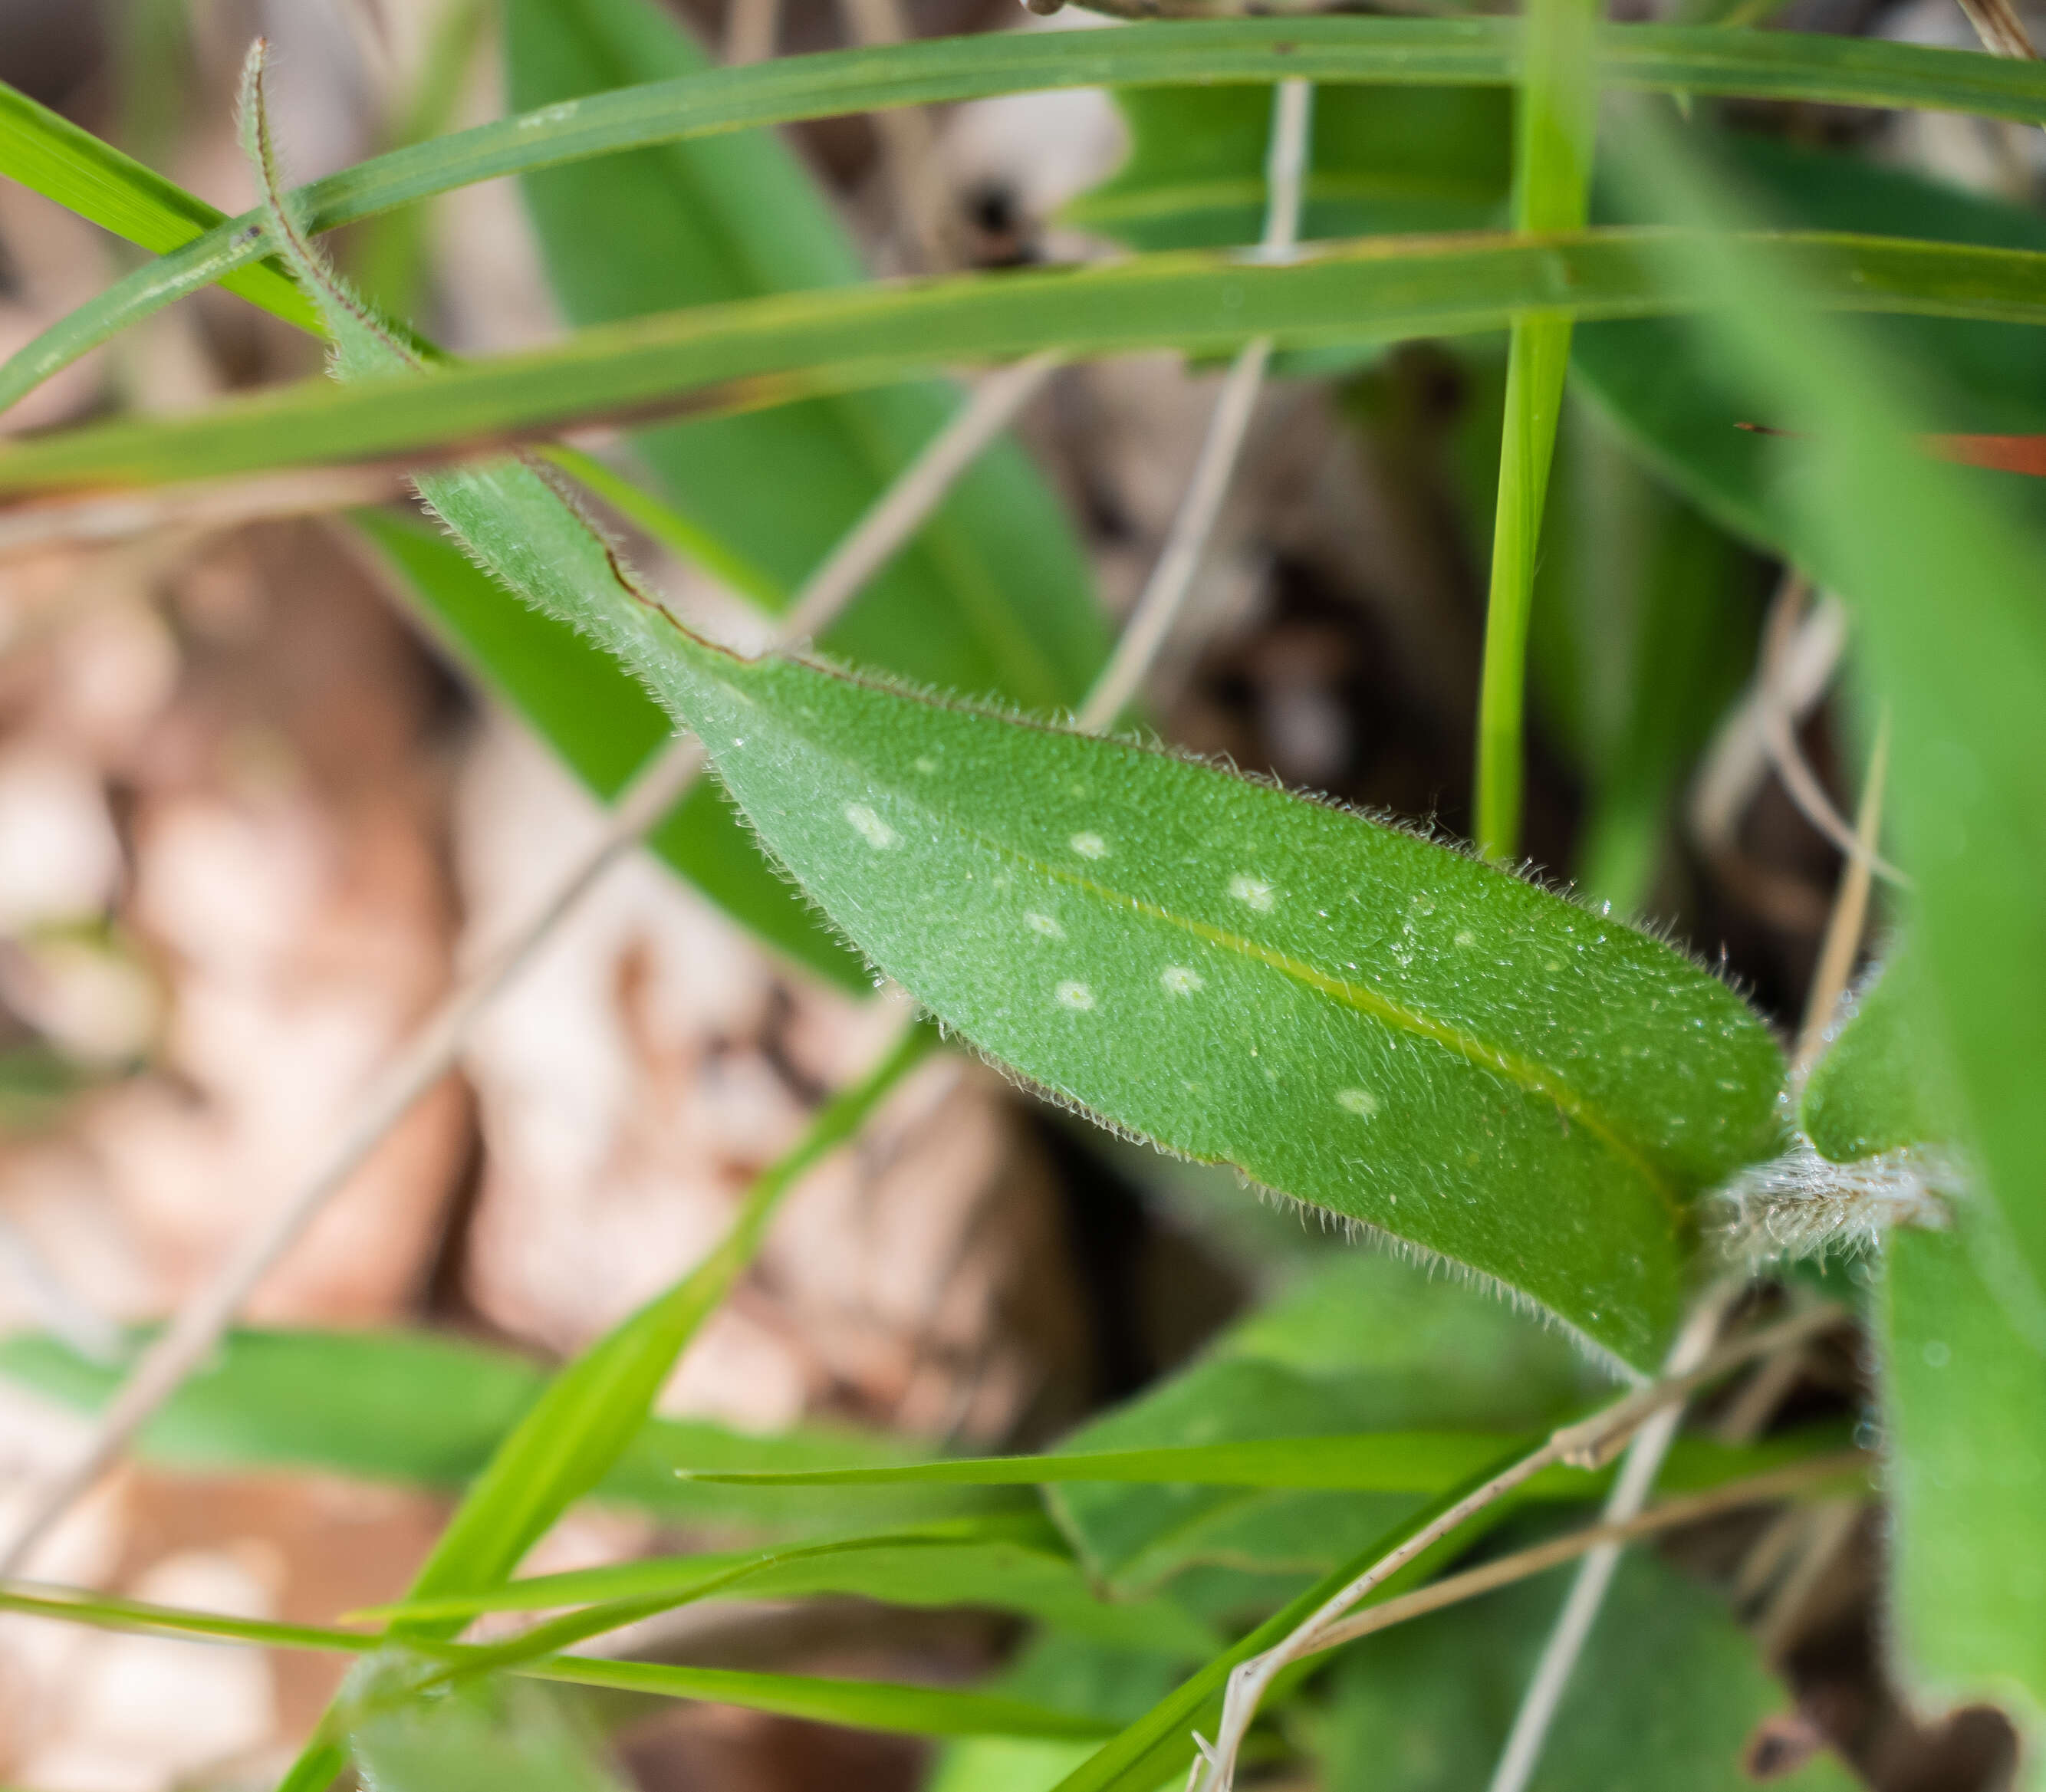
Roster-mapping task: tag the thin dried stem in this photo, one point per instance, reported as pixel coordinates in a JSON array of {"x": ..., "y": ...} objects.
[
  {"x": 1800, "y": 783},
  {"x": 1667, "y": 1515},
  {"x": 1164, "y": 593},
  {"x": 1573, "y": 1627},
  {"x": 102, "y": 518},
  {"x": 430, "y": 1052},
  {"x": 909, "y": 140},
  {"x": 1588, "y": 1443},
  {"x": 752, "y": 29},
  {"x": 2001, "y": 32},
  {"x": 1849, "y": 920}
]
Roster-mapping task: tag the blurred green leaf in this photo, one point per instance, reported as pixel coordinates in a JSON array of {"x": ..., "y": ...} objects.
[
  {"x": 1882, "y": 1083},
  {"x": 1948, "y": 588},
  {"x": 1015, "y": 1563},
  {"x": 1964, "y": 1391},
  {"x": 994, "y": 595},
  {"x": 593, "y": 712},
  {"x": 770, "y": 350},
  {"x": 1669, "y": 1695},
  {"x": 499, "y": 1734},
  {"x": 1679, "y": 400},
  {"x": 1381, "y": 159},
  {"x": 1643, "y": 626}
]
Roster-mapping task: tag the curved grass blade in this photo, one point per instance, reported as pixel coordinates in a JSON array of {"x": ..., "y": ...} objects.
[
  {"x": 1380, "y": 1463},
  {"x": 49, "y": 154},
  {"x": 580, "y": 1426},
  {"x": 767, "y": 350},
  {"x": 1840, "y": 71},
  {"x": 866, "y": 1705},
  {"x": 1555, "y": 124},
  {"x": 859, "y": 1705}
]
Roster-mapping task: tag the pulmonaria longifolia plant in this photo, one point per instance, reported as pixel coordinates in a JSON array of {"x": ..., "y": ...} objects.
[{"x": 1566, "y": 1110}]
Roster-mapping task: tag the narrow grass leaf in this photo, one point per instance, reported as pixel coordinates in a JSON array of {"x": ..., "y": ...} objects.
[
  {"x": 1555, "y": 123},
  {"x": 415, "y": 1409},
  {"x": 581, "y": 1425},
  {"x": 860, "y": 1704},
  {"x": 61, "y": 161},
  {"x": 1382, "y": 1463},
  {"x": 1829, "y": 70},
  {"x": 767, "y": 350}
]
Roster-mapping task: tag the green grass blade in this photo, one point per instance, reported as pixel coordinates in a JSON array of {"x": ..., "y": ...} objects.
[
  {"x": 853, "y": 1704},
  {"x": 580, "y": 1425},
  {"x": 63, "y": 162},
  {"x": 1555, "y": 124},
  {"x": 1840, "y": 71},
  {"x": 860, "y": 1704},
  {"x": 416, "y": 1409},
  {"x": 1380, "y": 1463},
  {"x": 768, "y": 350}
]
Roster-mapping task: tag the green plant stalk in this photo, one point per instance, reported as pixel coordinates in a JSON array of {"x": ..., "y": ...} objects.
[
  {"x": 1555, "y": 124},
  {"x": 857, "y": 1704},
  {"x": 44, "y": 151}
]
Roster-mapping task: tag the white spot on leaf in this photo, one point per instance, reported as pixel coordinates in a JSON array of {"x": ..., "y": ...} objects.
[
  {"x": 1090, "y": 846},
  {"x": 871, "y": 828},
  {"x": 1361, "y": 1102},
  {"x": 1253, "y": 890},
  {"x": 1179, "y": 980},
  {"x": 1465, "y": 937},
  {"x": 1044, "y": 924},
  {"x": 1075, "y": 996}
]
